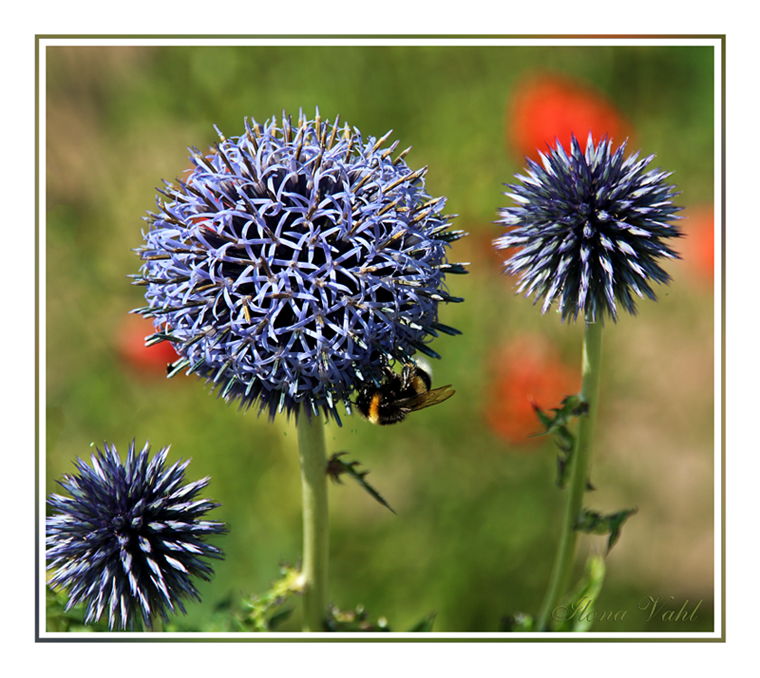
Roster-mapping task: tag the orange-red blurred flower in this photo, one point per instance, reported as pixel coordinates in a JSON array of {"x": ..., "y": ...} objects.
[
  {"x": 525, "y": 371},
  {"x": 697, "y": 249},
  {"x": 478, "y": 249},
  {"x": 132, "y": 349},
  {"x": 544, "y": 107}
]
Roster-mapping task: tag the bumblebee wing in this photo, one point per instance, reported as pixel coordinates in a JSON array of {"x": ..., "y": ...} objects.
[{"x": 427, "y": 399}]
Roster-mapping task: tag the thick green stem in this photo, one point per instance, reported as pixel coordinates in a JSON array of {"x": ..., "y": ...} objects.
[
  {"x": 311, "y": 446},
  {"x": 579, "y": 465}
]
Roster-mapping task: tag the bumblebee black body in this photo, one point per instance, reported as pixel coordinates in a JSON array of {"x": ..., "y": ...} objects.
[{"x": 390, "y": 401}]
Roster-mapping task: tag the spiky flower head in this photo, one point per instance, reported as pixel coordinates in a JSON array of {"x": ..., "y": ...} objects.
[
  {"x": 589, "y": 228},
  {"x": 292, "y": 261},
  {"x": 130, "y": 538}
]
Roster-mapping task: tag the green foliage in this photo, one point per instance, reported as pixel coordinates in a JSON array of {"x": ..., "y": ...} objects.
[
  {"x": 61, "y": 620},
  {"x": 578, "y": 613},
  {"x": 358, "y": 620},
  {"x": 570, "y": 408},
  {"x": 593, "y": 522},
  {"x": 57, "y": 617},
  {"x": 337, "y": 467},
  {"x": 268, "y": 611}
]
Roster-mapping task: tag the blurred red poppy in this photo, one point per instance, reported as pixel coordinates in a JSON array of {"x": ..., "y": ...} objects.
[
  {"x": 477, "y": 248},
  {"x": 134, "y": 353},
  {"x": 546, "y": 107},
  {"x": 525, "y": 371},
  {"x": 697, "y": 249}
]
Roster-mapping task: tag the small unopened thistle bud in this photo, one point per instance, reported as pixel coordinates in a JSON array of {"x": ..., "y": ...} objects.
[
  {"x": 130, "y": 538},
  {"x": 589, "y": 229}
]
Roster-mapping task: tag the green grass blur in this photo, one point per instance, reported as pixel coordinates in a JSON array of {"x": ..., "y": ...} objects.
[{"x": 477, "y": 515}]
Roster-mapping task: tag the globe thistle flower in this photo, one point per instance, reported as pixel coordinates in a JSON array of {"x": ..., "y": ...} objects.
[
  {"x": 292, "y": 261},
  {"x": 590, "y": 228},
  {"x": 130, "y": 538}
]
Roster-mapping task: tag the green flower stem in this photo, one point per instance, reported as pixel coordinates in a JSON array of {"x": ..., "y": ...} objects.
[
  {"x": 563, "y": 563},
  {"x": 311, "y": 446}
]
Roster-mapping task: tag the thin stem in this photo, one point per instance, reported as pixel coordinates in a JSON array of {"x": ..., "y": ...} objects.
[
  {"x": 311, "y": 446},
  {"x": 579, "y": 465}
]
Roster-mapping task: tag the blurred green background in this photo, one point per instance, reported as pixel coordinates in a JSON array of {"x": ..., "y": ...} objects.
[{"x": 477, "y": 513}]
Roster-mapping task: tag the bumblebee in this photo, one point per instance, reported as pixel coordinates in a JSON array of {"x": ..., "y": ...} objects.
[{"x": 399, "y": 394}]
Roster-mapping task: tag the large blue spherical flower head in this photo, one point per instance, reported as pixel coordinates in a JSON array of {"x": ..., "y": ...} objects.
[
  {"x": 130, "y": 538},
  {"x": 292, "y": 261},
  {"x": 589, "y": 229}
]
